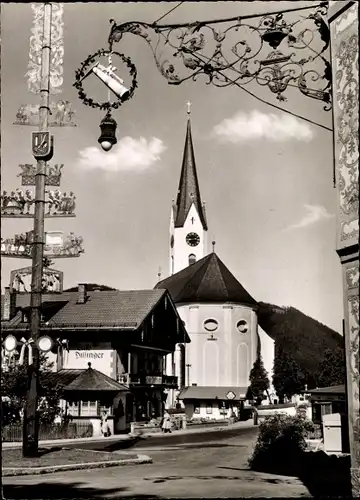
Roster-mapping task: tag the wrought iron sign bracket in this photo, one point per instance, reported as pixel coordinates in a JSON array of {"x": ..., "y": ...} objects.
[{"x": 277, "y": 50}]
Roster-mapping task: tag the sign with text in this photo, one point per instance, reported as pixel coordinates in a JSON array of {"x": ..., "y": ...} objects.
[
  {"x": 79, "y": 356},
  {"x": 153, "y": 380}
]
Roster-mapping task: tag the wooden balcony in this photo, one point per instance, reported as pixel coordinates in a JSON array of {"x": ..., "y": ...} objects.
[{"x": 133, "y": 380}]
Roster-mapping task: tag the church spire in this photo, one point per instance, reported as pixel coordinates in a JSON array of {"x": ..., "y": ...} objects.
[{"x": 188, "y": 191}]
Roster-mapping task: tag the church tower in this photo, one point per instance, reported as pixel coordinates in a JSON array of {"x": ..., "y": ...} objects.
[{"x": 188, "y": 226}]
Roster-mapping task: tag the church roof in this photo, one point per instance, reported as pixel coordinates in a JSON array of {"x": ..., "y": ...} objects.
[
  {"x": 207, "y": 280},
  {"x": 188, "y": 191}
]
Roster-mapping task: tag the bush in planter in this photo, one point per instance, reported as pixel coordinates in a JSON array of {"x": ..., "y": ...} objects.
[{"x": 280, "y": 444}]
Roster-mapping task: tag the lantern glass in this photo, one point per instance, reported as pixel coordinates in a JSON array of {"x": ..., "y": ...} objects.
[{"x": 45, "y": 344}]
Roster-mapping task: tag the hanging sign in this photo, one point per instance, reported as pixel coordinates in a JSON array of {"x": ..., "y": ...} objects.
[{"x": 20, "y": 280}]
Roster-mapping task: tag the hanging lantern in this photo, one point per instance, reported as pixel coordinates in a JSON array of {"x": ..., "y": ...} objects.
[{"x": 108, "y": 128}]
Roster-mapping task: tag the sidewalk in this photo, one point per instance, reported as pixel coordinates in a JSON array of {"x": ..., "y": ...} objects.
[
  {"x": 60, "y": 442},
  {"x": 132, "y": 437}
]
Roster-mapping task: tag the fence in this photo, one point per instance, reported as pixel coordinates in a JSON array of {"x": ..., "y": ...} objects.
[{"x": 12, "y": 433}]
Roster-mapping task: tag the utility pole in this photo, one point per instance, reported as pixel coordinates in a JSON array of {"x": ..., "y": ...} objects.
[{"x": 42, "y": 151}]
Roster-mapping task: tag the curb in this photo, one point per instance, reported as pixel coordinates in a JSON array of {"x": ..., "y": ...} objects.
[{"x": 26, "y": 471}]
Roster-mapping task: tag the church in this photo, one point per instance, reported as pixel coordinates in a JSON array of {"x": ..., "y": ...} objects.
[{"x": 219, "y": 315}]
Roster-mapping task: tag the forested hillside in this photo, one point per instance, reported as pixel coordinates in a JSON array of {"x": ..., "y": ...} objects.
[
  {"x": 92, "y": 287},
  {"x": 304, "y": 338}
]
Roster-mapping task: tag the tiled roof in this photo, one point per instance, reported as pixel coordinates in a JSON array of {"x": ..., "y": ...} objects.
[
  {"x": 63, "y": 377},
  {"x": 188, "y": 191},
  {"x": 208, "y": 280},
  {"x": 106, "y": 308},
  {"x": 84, "y": 379},
  {"x": 332, "y": 389},
  {"x": 93, "y": 380},
  {"x": 211, "y": 393}
]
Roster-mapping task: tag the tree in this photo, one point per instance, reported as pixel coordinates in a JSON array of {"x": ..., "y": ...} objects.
[
  {"x": 259, "y": 381},
  {"x": 287, "y": 378},
  {"x": 14, "y": 382},
  {"x": 332, "y": 369}
]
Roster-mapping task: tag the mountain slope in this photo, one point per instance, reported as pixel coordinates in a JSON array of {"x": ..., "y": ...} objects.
[{"x": 304, "y": 338}]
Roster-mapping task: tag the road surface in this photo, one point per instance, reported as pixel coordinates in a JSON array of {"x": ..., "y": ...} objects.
[{"x": 207, "y": 465}]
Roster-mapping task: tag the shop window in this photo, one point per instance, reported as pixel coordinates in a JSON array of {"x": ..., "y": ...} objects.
[
  {"x": 104, "y": 407},
  {"x": 73, "y": 408},
  {"x": 197, "y": 409},
  {"x": 209, "y": 409},
  {"x": 88, "y": 408}
]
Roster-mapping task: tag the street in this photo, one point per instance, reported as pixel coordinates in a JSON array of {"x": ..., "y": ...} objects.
[{"x": 202, "y": 465}]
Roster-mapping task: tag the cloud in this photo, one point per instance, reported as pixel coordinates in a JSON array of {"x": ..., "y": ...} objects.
[
  {"x": 315, "y": 213},
  {"x": 256, "y": 125},
  {"x": 136, "y": 155}
]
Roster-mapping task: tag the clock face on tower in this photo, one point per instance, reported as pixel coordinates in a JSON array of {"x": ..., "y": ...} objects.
[{"x": 192, "y": 239}]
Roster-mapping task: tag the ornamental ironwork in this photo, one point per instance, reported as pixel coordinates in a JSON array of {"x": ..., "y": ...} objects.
[
  {"x": 108, "y": 76},
  {"x": 274, "y": 50}
]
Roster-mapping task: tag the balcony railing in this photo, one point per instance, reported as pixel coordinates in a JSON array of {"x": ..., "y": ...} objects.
[{"x": 130, "y": 379}]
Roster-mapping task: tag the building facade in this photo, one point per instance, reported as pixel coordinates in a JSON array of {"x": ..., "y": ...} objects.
[
  {"x": 126, "y": 338},
  {"x": 343, "y": 17}
]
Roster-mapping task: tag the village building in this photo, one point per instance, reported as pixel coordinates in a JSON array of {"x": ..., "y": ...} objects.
[
  {"x": 112, "y": 350},
  {"x": 327, "y": 400}
]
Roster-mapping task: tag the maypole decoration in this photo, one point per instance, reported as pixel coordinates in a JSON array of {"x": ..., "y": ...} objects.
[
  {"x": 44, "y": 78},
  {"x": 33, "y": 75},
  {"x": 61, "y": 110},
  {"x": 26, "y": 344}
]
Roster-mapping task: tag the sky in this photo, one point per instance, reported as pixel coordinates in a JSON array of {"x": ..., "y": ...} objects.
[{"x": 266, "y": 177}]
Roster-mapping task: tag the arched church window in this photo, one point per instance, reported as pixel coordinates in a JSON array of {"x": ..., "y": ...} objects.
[
  {"x": 192, "y": 259},
  {"x": 242, "y": 326}
]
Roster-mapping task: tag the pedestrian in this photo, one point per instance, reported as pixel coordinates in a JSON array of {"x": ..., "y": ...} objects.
[
  {"x": 105, "y": 429},
  {"x": 166, "y": 425}
]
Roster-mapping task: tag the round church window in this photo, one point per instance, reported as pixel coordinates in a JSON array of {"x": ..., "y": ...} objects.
[
  {"x": 242, "y": 326},
  {"x": 211, "y": 325}
]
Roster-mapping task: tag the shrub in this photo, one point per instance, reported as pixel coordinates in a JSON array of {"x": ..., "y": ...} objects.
[{"x": 281, "y": 437}]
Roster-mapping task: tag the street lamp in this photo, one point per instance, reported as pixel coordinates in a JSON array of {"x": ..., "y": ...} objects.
[
  {"x": 107, "y": 138},
  {"x": 115, "y": 85}
]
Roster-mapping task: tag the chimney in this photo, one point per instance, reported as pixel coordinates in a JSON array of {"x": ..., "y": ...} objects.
[
  {"x": 82, "y": 296},
  {"x": 9, "y": 304}
]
